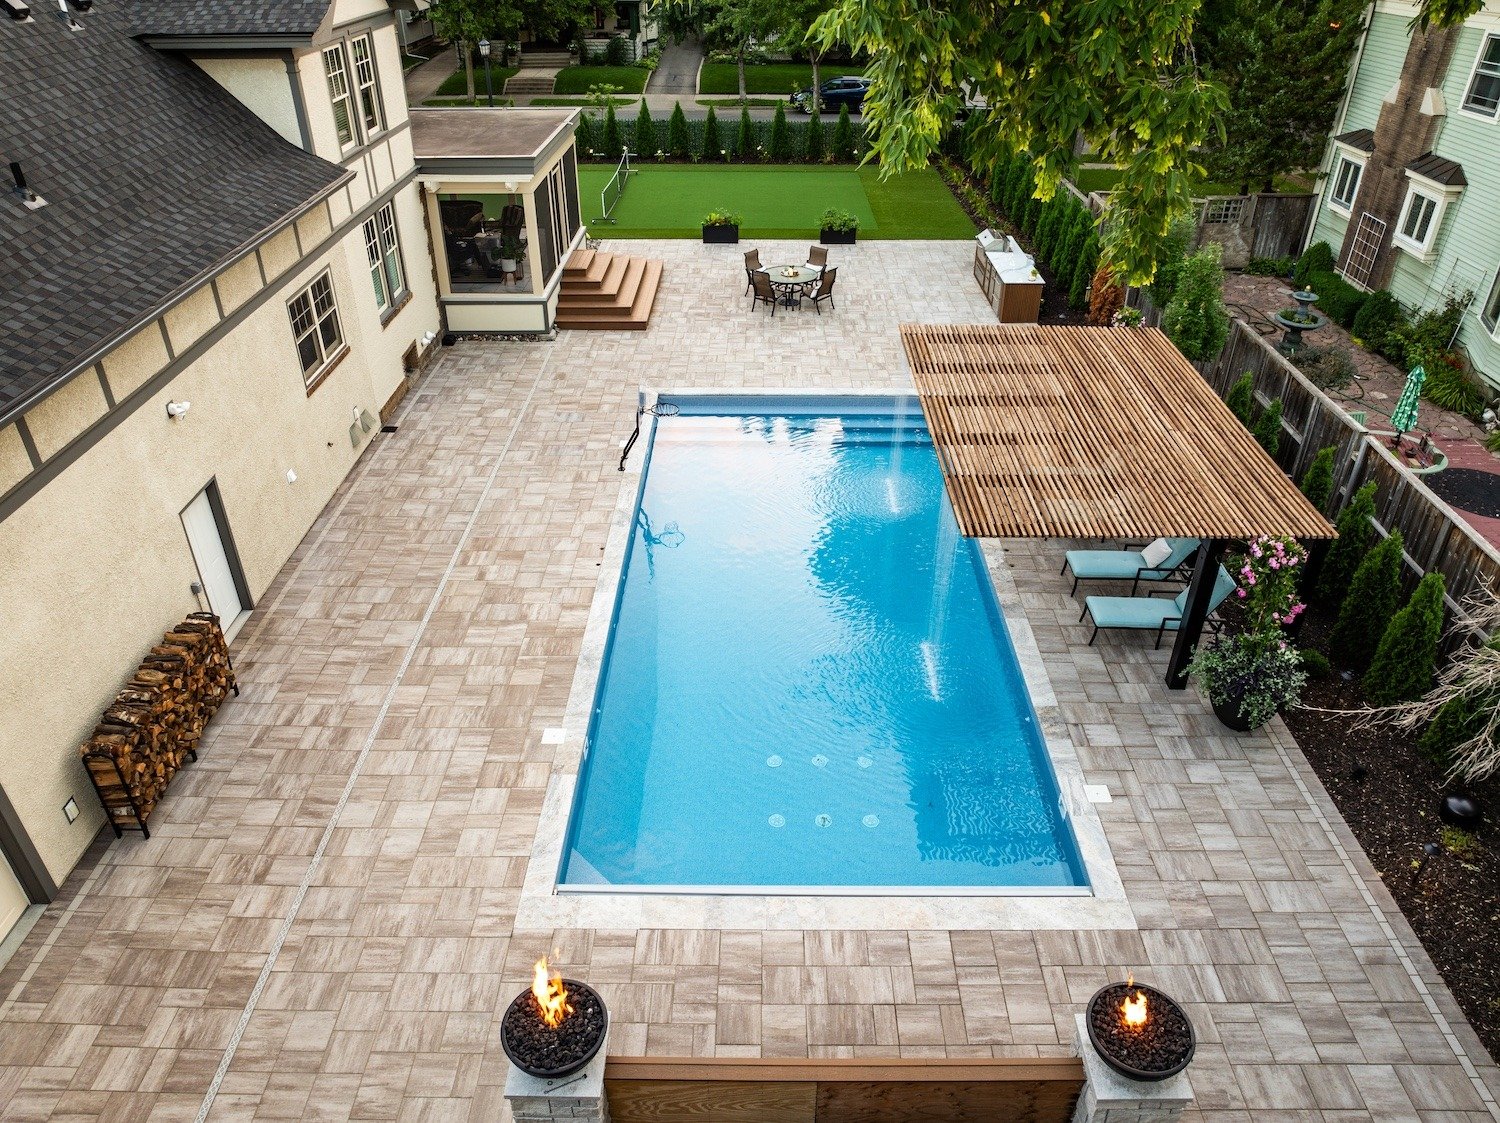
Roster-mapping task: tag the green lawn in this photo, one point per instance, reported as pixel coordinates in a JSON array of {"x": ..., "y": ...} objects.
[
  {"x": 455, "y": 84},
  {"x": 578, "y": 79},
  {"x": 766, "y": 78},
  {"x": 775, "y": 201}
]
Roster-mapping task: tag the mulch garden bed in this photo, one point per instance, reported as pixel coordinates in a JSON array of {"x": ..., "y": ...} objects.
[{"x": 1389, "y": 793}]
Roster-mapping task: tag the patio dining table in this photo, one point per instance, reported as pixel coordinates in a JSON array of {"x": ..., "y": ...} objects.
[{"x": 787, "y": 279}]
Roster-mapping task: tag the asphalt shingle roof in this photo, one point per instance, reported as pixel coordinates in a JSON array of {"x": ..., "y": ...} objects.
[
  {"x": 227, "y": 17},
  {"x": 154, "y": 176}
]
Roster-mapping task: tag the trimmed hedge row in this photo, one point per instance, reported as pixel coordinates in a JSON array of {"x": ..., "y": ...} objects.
[{"x": 778, "y": 141}]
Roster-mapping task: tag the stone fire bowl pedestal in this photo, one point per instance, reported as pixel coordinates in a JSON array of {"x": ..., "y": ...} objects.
[
  {"x": 1109, "y": 1097},
  {"x": 535, "y": 1099}
]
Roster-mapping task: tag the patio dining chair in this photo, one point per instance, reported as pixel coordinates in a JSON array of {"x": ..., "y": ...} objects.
[
  {"x": 752, "y": 264},
  {"x": 825, "y": 289},
  {"x": 1152, "y": 613},
  {"x": 817, "y": 261},
  {"x": 765, "y": 293},
  {"x": 1161, "y": 560}
]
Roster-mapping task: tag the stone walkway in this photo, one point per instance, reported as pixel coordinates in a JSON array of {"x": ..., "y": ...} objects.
[
  {"x": 322, "y": 924},
  {"x": 422, "y": 82}
]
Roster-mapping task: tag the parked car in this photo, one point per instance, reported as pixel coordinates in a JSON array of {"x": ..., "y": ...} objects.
[{"x": 835, "y": 92}]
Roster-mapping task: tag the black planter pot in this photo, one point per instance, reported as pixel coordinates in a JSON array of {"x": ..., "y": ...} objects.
[
  {"x": 837, "y": 237},
  {"x": 721, "y": 235},
  {"x": 1228, "y": 713}
]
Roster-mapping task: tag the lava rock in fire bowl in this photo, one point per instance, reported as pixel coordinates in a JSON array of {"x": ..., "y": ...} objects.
[
  {"x": 1157, "y": 1048},
  {"x": 540, "y": 1050}
]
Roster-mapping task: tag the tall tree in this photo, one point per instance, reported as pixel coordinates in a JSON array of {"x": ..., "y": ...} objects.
[
  {"x": 1285, "y": 66},
  {"x": 793, "y": 22}
]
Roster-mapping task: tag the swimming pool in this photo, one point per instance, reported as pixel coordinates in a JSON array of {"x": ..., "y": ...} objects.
[{"x": 808, "y": 685}]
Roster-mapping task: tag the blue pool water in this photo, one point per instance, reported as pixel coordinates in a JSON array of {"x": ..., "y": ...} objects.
[{"x": 808, "y": 682}]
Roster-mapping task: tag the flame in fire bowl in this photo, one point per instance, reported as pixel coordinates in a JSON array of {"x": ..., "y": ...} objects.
[
  {"x": 1140, "y": 1032},
  {"x": 555, "y": 1028}
]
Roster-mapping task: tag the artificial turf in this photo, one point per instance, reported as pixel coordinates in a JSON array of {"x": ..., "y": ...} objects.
[{"x": 774, "y": 201}]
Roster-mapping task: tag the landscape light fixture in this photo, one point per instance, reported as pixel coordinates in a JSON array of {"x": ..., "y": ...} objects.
[{"x": 489, "y": 83}]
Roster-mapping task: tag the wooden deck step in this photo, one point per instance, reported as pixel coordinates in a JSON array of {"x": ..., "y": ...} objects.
[
  {"x": 619, "y": 293},
  {"x": 608, "y": 292}
]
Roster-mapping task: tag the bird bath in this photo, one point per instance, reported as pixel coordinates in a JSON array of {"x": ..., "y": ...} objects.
[{"x": 1295, "y": 321}]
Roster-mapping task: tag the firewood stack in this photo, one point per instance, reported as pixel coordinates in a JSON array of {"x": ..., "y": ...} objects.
[{"x": 155, "y": 722}]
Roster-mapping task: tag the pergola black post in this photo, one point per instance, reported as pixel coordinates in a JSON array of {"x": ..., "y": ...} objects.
[{"x": 1195, "y": 611}]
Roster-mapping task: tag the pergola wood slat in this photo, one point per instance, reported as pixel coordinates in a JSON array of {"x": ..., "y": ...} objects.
[{"x": 1076, "y": 432}]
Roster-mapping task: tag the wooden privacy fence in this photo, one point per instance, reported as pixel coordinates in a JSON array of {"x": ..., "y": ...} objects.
[
  {"x": 1267, "y": 224},
  {"x": 1435, "y": 537},
  {"x": 726, "y": 1090}
]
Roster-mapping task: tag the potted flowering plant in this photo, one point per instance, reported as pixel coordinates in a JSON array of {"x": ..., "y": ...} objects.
[
  {"x": 721, "y": 226},
  {"x": 1253, "y": 674}
]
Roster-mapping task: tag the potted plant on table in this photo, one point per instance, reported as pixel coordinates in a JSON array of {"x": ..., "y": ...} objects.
[
  {"x": 722, "y": 227},
  {"x": 1252, "y": 675},
  {"x": 839, "y": 228}
]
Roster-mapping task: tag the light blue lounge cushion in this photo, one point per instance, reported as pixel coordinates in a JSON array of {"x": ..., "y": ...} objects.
[
  {"x": 1100, "y": 565},
  {"x": 1152, "y": 612}
]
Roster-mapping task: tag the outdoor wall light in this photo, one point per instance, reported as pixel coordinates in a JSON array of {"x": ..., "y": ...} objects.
[
  {"x": 291, "y": 476},
  {"x": 428, "y": 338},
  {"x": 178, "y": 409}
]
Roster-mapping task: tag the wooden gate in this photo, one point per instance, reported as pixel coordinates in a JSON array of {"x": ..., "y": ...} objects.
[{"x": 733, "y": 1090}]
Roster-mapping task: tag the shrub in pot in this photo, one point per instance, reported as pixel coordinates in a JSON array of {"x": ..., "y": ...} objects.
[
  {"x": 721, "y": 227},
  {"x": 838, "y": 228}
]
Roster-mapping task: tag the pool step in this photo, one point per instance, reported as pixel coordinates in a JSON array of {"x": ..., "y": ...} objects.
[{"x": 607, "y": 292}]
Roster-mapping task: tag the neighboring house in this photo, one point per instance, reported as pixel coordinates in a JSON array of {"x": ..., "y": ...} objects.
[
  {"x": 1412, "y": 189},
  {"x": 227, "y": 221},
  {"x": 634, "y": 20}
]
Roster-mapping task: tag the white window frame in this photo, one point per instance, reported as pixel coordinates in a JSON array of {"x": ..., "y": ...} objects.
[
  {"x": 383, "y": 251},
  {"x": 367, "y": 82},
  {"x": 1342, "y": 154},
  {"x": 1489, "y": 311},
  {"x": 336, "y": 74},
  {"x": 314, "y": 318},
  {"x": 1440, "y": 195},
  {"x": 1482, "y": 114}
]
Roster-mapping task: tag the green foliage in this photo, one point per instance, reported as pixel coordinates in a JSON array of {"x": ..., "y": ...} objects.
[
  {"x": 587, "y": 135},
  {"x": 580, "y": 79},
  {"x": 1286, "y": 66},
  {"x": 1428, "y": 333},
  {"x": 617, "y": 51},
  {"x": 1315, "y": 664},
  {"x": 1459, "y": 719},
  {"x": 779, "y": 146},
  {"x": 746, "y": 137},
  {"x": 612, "y": 145},
  {"x": 1270, "y": 266},
  {"x": 1459, "y": 842},
  {"x": 1317, "y": 258},
  {"x": 711, "y": 150},
  {"x": 679, "y": 142},
  {"x": 1031, "y": 214},
  {"x": 1083, "y": 272},
  {"x": 1267, "y": 431},
  {"x": 1355, "y": 528},
  {"x": 843, "y": 136},
  {"x": 645, "y": 132},
  {"x": 1317, "y": 481},
  {"x": 1196, "y": 319},
  {"x": 1169, "y": 261},
  {"x": 1407, "y": 655},
  {"x": 1020, "y": 191},
  {"x": 1046, "y": 227},
  {"x": 1449, "y": 386},
  {"x": 1328, "y": 368},
  {"x": 1080, "y": 226},
  {"x": 1241, "y": 399},
  {"x": 1492, "y": 441},
  {"x": 813, "y": 153},
  {"x": 1338, "y": 299},
  {"x": 1369, "y": 604},
  {"x": 1378, "y": 317},
  {"x": 834, "y": 219},
  {"x": 721, "y": 218}
]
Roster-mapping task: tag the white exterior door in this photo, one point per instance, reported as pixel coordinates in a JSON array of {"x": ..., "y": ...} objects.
[
  {"x": 13, "y": 899},
  {"x": 212, "y": 559}
]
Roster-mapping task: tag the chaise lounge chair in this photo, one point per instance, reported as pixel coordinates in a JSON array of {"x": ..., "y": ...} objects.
[
  {"x": 1148, "y": 613},
  {"x": 1160, "y": 561}
]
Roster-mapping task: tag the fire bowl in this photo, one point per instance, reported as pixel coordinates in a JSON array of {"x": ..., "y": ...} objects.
[
  {"x": 539, "y": 1050},
  {"x": 1159, "y": 1048}
]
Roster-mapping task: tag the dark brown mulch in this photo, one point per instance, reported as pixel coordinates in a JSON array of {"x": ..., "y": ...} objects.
[
  {"x": 1468, "y": 489},
  {"x": 1389, "y": 793}
]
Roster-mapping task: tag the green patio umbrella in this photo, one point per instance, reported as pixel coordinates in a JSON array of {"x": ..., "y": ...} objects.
[{"x": 1404, "y": 416}]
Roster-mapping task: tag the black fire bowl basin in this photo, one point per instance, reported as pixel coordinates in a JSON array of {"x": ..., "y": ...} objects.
[
  {"x": 1157, "y": 1050},
  {"x": 539, "y": 1050}
]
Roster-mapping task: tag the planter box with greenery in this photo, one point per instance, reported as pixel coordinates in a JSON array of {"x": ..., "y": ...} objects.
[
  {"x": 721, "y": 227},
  {"x": 839, "y": 228}
]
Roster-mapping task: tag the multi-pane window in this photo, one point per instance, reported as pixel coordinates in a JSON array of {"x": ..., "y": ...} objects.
[
  {"x": 338, "y": 92},
  {"x": 315, "y": 327},
  {"x": 1345, "y": 183},
  {"x": 1490, "y": 314},
  {"x": 1418, "y": 220},
  {"x": 366, "y": 84},
  {"x": 1483, "y": 94},
  {"x": 384, "y": 253}
]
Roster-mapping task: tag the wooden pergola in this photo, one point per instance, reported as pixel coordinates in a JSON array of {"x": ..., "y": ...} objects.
[{"x": 1073, "y": 432}]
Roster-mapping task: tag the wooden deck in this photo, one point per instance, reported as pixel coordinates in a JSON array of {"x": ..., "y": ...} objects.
[{"x": 1077, "y": 432}]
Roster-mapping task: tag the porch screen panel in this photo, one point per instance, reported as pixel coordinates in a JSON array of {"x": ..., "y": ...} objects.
[
  {"x": 570, "y": 190},
  {"x": 546, "y": 243}
]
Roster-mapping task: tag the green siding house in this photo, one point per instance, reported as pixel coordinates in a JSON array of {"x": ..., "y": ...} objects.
[{"x": 1410, "y": 201}]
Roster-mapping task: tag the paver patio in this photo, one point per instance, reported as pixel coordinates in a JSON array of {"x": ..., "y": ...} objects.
[{"x": 321, "y": 925}]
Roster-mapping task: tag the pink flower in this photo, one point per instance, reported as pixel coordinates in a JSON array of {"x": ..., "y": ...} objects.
[
  {"x": 1275, "y": 564},
  {"x": 1242, "y": 593},
  {"x": 1251, "y": 578}
]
